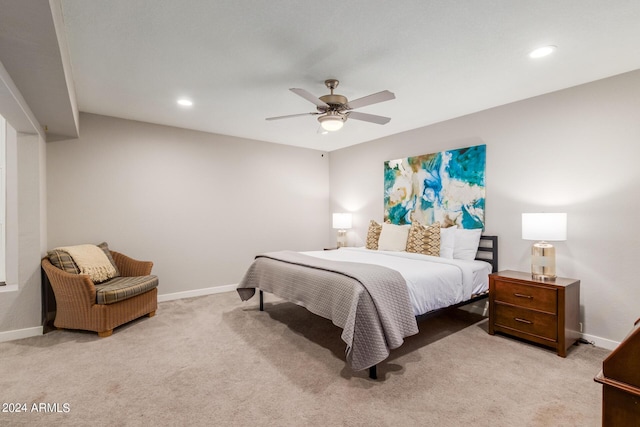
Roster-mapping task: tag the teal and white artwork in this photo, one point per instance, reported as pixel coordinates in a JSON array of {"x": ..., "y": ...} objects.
[{"x": 446, "y": 187}]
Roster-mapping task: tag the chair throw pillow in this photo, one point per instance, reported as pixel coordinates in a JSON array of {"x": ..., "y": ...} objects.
[
  {"x": 107, "y": 252},
  {"x": 63, "y": 261}
]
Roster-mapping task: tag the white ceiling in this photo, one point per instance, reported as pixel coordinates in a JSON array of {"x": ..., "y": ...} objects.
[{"x": 236, "y": 59}]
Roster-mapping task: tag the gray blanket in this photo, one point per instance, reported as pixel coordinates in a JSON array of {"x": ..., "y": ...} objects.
[{"x": 370, "y": 303}]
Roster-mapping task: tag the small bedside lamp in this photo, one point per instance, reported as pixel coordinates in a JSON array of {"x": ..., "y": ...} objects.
[
  {"x": 342, "y": 222},
  {"x": 544, "y": 227}
]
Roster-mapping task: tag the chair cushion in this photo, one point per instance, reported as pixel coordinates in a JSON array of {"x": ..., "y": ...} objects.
[{"x": 121, "y": 288}]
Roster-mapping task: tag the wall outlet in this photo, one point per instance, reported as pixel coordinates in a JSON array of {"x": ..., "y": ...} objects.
[{"x": 580, "y": 325}]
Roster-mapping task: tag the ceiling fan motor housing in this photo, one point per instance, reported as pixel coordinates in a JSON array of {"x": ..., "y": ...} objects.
[{"x": 335, "y": 101}]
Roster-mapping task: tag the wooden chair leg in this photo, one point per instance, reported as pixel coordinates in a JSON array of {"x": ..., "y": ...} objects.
[
  {"x": 153, "y": 313},
  {"x": 105, "y": 333}
]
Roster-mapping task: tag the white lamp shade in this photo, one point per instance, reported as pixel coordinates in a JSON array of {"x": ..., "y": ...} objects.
[
  {"x": 544, "y": 226},
  {"x": 331, "y": 123},
  {"x": 342, "y": 221}
]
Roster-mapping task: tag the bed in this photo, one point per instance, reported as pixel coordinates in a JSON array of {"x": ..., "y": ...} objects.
[{"x": 375, "y": 296}]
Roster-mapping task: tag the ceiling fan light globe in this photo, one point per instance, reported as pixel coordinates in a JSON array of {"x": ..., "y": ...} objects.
[{"x": 331, "y": 123}]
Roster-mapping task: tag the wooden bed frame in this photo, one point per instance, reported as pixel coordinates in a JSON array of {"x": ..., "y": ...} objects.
[{"x": 487, "y": 251}]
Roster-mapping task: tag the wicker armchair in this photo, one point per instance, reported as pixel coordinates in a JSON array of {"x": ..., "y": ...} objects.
[{"x": 75, "y": 296}]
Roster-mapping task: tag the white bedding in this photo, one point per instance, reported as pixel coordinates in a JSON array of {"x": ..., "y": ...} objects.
[{"x": 433, "y": 282}]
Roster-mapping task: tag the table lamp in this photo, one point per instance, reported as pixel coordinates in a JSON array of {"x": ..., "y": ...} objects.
[
  {"x": 544, "y": 227},
  {"x": 342, "y": 222}
]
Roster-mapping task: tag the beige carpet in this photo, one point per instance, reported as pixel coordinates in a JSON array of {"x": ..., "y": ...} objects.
[{"x": 216, "y": 361}]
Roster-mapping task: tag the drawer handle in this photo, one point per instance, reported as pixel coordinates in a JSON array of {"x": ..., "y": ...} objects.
[
  {"x": 523, "y": 296},
  {"x": 528, "y": 322}
]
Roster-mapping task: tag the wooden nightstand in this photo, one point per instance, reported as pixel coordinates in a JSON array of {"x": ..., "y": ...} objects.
[{"x": 545, "y": 312}]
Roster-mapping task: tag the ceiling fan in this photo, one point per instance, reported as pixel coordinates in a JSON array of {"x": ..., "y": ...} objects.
[{"x": 334, "y": 109}]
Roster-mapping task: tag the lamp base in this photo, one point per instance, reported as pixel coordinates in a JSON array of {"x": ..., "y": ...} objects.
[
  {"x": 543, "y": 261},
  {"x": 342, "y": 238}
]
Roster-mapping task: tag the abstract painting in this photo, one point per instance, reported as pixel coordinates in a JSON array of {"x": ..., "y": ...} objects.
[{"x": 446, "y": 187}]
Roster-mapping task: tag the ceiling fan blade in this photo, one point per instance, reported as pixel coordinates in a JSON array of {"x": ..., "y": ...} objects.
[
  {"x": 385, "y": 95},
  {"x": 309, "y": 97},
  {"x": 291, "y": 115},
  {"x": 380, "y": 120}
]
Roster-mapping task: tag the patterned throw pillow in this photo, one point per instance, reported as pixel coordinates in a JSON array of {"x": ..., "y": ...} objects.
[
  {"x": 107, "y": 252},
  {"x": 424, "y": 239},
  {"x": 63, "y": 261},
  {"x": 373, "y": 235}
]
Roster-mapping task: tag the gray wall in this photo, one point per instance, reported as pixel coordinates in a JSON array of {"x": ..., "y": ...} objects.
[
  {"x": 573, "y": 151},
  {"x": 200, "y": 206}
]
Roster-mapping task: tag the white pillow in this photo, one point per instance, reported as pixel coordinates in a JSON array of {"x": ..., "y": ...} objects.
[
  {"x": 466, "y": 243},
  {"x": 447, "y": 242},
  {"x": 393, "y": 237}
]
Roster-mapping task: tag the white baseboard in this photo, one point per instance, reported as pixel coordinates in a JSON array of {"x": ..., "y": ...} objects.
[
  {"x": 20, "y": 333},
  {"x": 197, "y": 292},
  {"x": 601, "y": 342}
]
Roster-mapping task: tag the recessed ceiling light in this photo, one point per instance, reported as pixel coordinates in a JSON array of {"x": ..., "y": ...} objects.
[
  {"x": 542, "y": 51},
  {"x": 185, "y": 102}
]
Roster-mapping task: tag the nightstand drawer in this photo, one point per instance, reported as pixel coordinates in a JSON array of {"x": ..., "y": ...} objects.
[
  {"x": 528, "y": 321},
  {"x": 534, "y": 297}
]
